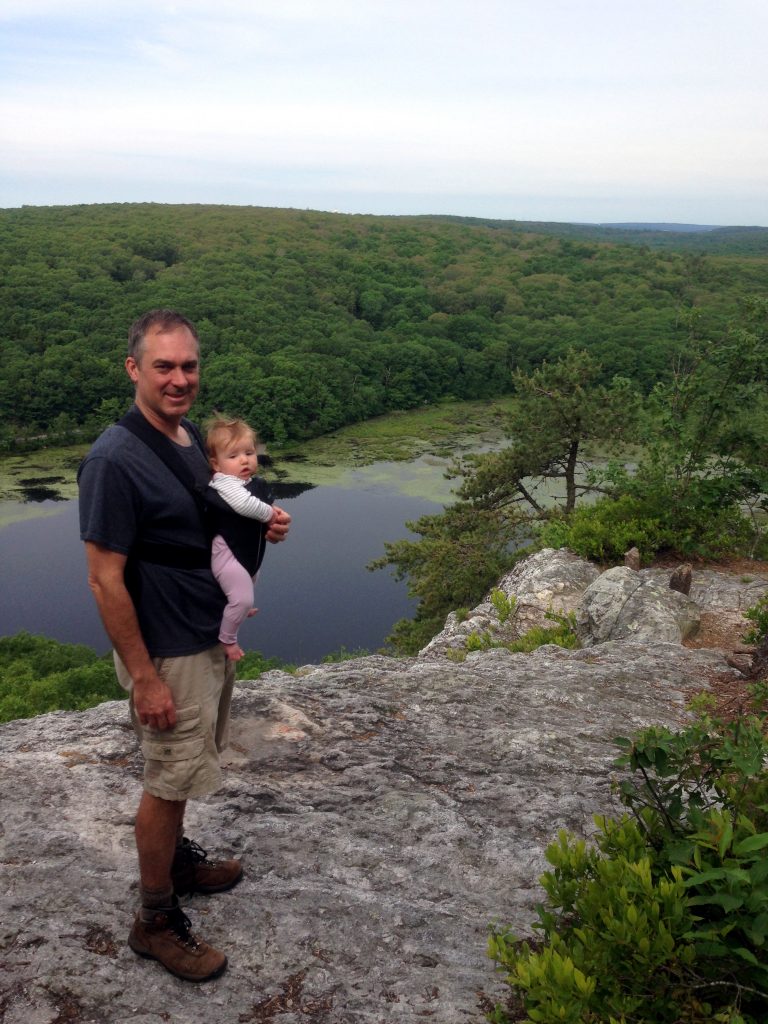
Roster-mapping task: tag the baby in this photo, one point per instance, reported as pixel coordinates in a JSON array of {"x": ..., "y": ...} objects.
[{"x": 241, "y": 508}]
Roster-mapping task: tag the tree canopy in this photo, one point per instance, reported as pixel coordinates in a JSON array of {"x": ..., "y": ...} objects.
[
  {"x": 693, "y": 484},
  {"x": 313, "y": 320}
]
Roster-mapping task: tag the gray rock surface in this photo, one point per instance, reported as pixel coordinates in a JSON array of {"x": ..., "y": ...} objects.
[
  {"x": 620, "y": 603},
  {"x": 725, "y": 591},
  {"x": 550, "y": 580},
  {"x": 387, "y": 811},
  {"x": 722, "y": 598},
  {"x": 626, "y": 605}
]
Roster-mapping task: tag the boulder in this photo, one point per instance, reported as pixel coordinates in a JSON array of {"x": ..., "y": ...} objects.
[
  {"x": 549, "y": 580},
  {"x": 626, "y": 605}
]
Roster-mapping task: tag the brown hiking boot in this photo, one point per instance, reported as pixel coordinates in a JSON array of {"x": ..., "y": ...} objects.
[
  {"x": 168, "y": 939},
  {"x": 193, "y": 872}
]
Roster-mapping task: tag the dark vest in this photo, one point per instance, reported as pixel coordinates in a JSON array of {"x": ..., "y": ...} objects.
[{"x": 245, "y": 537}]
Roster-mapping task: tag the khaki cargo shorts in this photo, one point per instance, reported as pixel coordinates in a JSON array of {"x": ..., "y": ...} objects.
[{"x": 183, "y": 762}]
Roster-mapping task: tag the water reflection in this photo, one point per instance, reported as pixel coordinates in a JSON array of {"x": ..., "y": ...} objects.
[
  {"x": 40, "y": 488},
  {"x": 283, "y": 490}
]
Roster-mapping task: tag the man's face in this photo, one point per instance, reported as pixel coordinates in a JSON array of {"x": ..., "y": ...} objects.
[{"x": 167, "y": 374}]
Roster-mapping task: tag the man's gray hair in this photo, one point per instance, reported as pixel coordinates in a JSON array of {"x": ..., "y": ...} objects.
[{"x": 165, "y": 319}]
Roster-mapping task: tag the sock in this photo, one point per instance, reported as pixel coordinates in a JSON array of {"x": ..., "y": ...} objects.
[{"x": 153, "y": 900}]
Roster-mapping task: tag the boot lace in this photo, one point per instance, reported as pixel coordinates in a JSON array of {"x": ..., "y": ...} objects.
[
  {"x": 192, "y": 852},
  {"x": 180, "y": 925}
]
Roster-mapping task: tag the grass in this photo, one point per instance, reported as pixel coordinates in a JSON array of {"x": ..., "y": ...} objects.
[{"x": 442, "y": 430}]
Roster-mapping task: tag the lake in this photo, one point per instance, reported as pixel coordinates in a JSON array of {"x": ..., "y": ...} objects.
[{"x": 314, "y": 593}]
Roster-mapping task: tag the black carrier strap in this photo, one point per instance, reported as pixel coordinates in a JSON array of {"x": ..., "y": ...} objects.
[{"x": 174, "y": 556}]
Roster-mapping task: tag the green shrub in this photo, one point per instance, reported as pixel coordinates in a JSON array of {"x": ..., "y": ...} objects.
[
  {"x": 757, "y": 614},
  {"x": 563, "y": 635},
  {"x": 606, "y": 530},
  {"x": 334, "y": 657},
  {"x": 38, "y": 675},
  {"x": 254, "y": 664},
  {"x": 505, "y": 606},
  {"x": 652, "y": 524},
  {"x": 615, "y": 947},
  {"x": 456, "y": 654},
  {"x": 664, "y": 918},
  {"x": 482, "y": 641}
]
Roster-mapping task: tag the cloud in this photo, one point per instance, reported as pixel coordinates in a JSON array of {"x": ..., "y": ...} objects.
[{"x": 414, "y": 98}]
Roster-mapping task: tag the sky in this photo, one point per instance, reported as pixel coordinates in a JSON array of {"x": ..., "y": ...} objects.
[{"x": 600, "y": 111}]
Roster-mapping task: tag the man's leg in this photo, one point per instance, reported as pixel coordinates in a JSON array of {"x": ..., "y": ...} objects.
[
  {"x": 202, "y": 686},
  {"x": 191, "y": 870},
  {"x": 161, "y": 930},
  {"x": 170, "y": 864},
  {"x": 157, "y": 826}
]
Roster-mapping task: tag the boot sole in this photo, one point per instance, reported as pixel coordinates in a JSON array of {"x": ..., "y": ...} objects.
[{"x": 179, "y": 974}]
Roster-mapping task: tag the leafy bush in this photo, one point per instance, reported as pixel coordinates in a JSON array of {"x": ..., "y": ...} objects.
[
  {"x": 254, "y": 664},
  {"x": 38, "y": 675},
  {"x": 606, "y": 530},
  {"x": 651, "y": 523},
  {"x": 334, "y": 657},
  {"x": 505, "y": 606},
  {"x": 665, "y": 918},
  {"x": 757, "y": 614},
  {"x": 563, "y": 635}
]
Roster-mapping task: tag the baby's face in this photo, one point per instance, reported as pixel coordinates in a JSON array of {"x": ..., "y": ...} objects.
[{"x": 238, "y": 458}]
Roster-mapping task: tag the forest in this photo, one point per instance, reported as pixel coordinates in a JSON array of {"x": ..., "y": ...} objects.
[{"x": 311, "y": 321}]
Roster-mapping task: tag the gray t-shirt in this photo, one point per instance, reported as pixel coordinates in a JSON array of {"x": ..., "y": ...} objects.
[{"x": 128, "y": 494}]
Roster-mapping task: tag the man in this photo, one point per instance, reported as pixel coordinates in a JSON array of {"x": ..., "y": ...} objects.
[{"x": 148, "y": 556}]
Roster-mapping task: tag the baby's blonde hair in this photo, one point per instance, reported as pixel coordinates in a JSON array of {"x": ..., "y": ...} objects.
[{"x": 222, "y": 430}]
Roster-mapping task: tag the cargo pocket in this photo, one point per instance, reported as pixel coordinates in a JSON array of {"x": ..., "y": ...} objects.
[{"x": 183, "y": 743}]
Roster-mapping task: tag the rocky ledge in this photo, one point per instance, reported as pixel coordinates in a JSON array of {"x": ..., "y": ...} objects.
[{"x": 387, "y": 811}]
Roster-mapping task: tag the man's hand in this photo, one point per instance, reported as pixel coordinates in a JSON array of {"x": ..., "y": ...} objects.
[
  {"x": 106, "y": 577},
  {"x": 278, "y": 528},
  {"x": 154, "y": 705}
]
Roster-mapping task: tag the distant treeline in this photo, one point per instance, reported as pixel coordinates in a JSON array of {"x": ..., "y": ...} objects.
[
  {"x": 311, "y": 320},
  {"x": 694, "y": 238}
]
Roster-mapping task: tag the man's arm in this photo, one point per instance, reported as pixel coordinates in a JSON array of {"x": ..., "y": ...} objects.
[{"x": 106, "y": 577}]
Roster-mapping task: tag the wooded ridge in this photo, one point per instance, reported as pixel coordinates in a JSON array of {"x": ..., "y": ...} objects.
[{"x": 313, "y": 320}]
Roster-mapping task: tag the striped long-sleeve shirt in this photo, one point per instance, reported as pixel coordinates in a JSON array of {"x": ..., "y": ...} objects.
[{"x": 232, "y": 490}]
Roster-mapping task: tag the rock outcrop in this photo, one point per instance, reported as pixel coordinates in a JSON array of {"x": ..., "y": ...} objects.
[
  {"x": 548, "y": 581},
  {"x": 387, "y": 811},
  {"x": 626, "y": 605}
]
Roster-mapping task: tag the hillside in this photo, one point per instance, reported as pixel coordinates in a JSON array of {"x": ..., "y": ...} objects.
[
  {"x": 699, "y": 239},
  {"x": 314, "y": 320}
]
